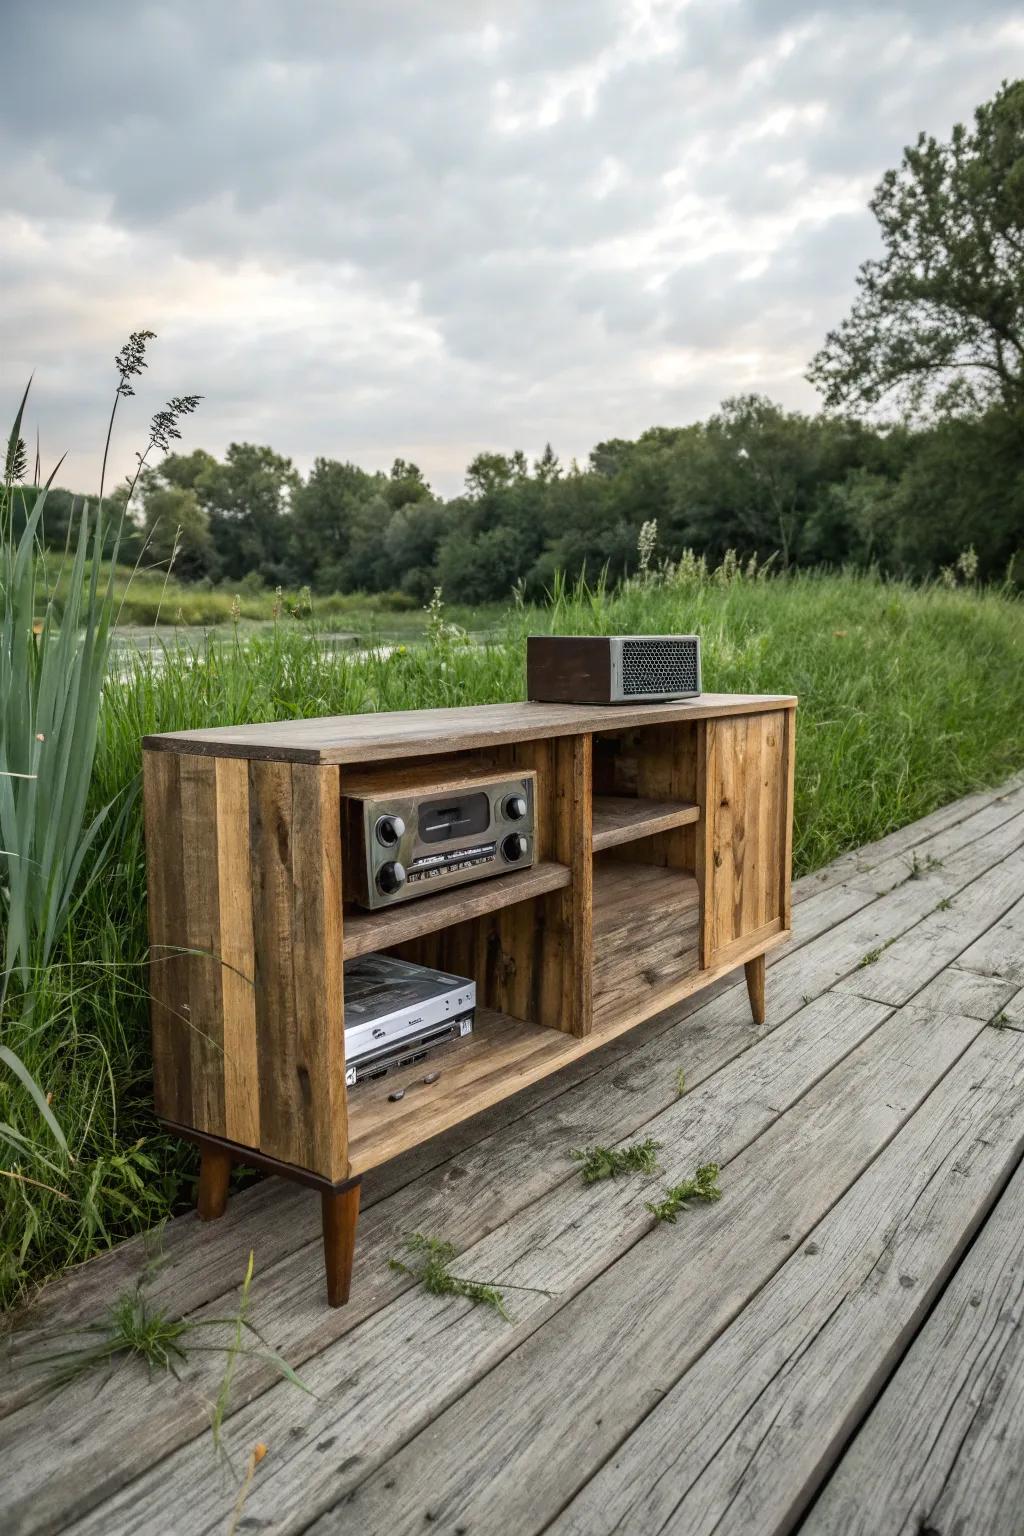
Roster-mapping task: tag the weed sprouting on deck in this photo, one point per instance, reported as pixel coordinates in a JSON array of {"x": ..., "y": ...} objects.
[
  {"x": 703, "y": 1186},
  {"x": 134, "y": 1328},
  {"x": 919, "y": 867},
  {"x": 874, "y": 954},
  {"x": 609, "y": 1162},
  {"x": 434, "y": 1273}
]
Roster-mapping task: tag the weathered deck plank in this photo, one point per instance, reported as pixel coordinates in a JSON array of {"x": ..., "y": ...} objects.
[
  {"x": 943, "y": 1449},
  {"x": 288, "y": 1305},
  {"x": 727, "y": 1115},
  {"x": 746, "y": 1437},
  {"x": 616, "y": 1333},
  {"x": 274, "y": 1217},
  {"x": 478, "y": 1424}
]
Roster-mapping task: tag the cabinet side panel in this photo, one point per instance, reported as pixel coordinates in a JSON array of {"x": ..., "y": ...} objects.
[
  {"x": 566, "y": 992},
  {"x": 295, "y": 830},
  {"x": 168, "y": 968},
  {"x": 789, "y": 782},
  {"x": 234, "y": 874},
  {"x": 746, "y": 829},
  {"x": 281, "y": 1106},
  {"x": 317, "y": 957},
  {"x": 197, "y": 792}
]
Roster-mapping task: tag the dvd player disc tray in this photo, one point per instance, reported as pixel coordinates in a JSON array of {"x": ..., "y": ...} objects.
[{"x": 396, "y": 1011}]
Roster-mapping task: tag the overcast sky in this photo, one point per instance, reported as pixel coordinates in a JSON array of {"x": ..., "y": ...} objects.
[{"x": 426, "y": 228}]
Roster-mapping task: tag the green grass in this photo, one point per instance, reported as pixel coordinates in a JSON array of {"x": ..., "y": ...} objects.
[
  {"x": 148, "y": 597},
  {"x": 909, "y": 697}
]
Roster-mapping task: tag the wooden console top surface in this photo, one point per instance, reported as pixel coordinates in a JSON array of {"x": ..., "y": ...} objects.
[{"x": 402, "y": 733}]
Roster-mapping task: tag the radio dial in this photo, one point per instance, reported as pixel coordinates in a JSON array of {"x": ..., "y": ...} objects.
[
  {"x": 391, "y": 877},
  {"x": 514, "y": 847},
  {"x": 389, "y": 830},
  {"x": 514, "y": 808}
]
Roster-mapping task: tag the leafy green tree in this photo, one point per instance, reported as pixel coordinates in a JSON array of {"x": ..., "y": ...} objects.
[
  {"x": 327, "y": 513},
  {"x": 964, "y": 485},
  {"x": 745, "y": 481},
  {"x": 176, "y": 528},
  {"x": 248, "y": 499},
  {"x": 939, "y": 317},
  {"x": 406, "y": 484}
]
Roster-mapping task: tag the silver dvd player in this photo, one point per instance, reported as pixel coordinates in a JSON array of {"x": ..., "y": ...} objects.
[{"x": 396, "y": 1011}]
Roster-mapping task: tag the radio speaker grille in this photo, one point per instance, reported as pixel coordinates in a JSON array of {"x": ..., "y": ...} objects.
[{"x": 660, "y": 666}]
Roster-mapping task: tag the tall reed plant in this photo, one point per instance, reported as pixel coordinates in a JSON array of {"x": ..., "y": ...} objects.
[{"x": 53, "y": 667}]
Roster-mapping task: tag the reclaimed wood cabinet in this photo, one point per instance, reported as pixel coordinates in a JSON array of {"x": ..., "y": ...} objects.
[{"x": 663, "y": 843}]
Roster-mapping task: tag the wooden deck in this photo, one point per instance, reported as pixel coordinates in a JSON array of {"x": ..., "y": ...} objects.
[{"x": 836, "y": 1345}]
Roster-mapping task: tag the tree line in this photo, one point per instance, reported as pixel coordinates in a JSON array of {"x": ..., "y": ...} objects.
[{"x": 918, "y": 454}]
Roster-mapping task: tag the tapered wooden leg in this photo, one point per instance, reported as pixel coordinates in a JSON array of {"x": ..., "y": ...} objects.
[
  {"x": 340, "y": 1214},
  {"x": 214, "y": 1172},
  {"x": 754, "y": 970}
]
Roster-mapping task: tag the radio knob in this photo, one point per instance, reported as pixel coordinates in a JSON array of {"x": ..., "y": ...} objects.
[
  {"x": 389, "y": 830},
  {"x": 391, "y": 877},
  {"x": 514, "y": 847},
  {"x": 514, "y": 808}
]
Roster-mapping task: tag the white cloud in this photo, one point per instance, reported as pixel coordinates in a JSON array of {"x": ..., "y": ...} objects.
[{"x": 390, "y": 228}]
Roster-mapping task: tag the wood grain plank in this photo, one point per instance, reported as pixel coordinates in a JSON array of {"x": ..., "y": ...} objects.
[
  {"x": 728, "y": 1449},
  {"x": 745, "y": 851},
  {"x": 620, "y": 819},
  {"x": 905, "y": 965},
  {"x": 943, "y": 1448},
  {"x": 405, "y": 733},
  {"x": 282, "y": 1128},
  {"x": 615, "y": 1336},
  {"x": 197, "y": 805},
  {"x": 317, "y": 967},
  {"x": 561, "y": 1245},
  {"x": 366, "y": 931},
  {"x": 565, "y": 990},
  {"x": 999, "y": 951},
  {"x": 234, "y": 874},
  {"x": 646, "y": 936},
  {"x": 786, "y": 812}
]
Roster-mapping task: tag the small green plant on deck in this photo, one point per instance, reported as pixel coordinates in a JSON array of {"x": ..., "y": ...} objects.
[
  {"x": 874, "y": 954},
  {"x": 608, "y": 1162},
  {"x": 133, "y": 1328},
  {"x": 434, "y": 1274},
  {"x": 703, "y": 1186},
  {"x": 919, "y": 867}
]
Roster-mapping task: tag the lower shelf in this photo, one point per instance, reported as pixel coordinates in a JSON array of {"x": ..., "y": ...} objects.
[{"x": 504, "y": 1055}]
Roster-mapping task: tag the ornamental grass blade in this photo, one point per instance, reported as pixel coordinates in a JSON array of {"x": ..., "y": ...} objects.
[{"x": 20, "y": 1071}]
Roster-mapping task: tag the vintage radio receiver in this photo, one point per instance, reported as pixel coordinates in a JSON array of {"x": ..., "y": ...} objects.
[
  {"x": 612, "y": 669},
  {"x": 413, "y": 842}
]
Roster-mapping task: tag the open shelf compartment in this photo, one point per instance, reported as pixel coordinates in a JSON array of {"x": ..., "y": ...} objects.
[
  {"x": 646, "y": 939},
  {"x": 621, "y": 819}
]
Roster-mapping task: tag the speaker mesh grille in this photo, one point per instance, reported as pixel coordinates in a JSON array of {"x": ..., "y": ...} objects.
[{"x": 659, "y": 666}]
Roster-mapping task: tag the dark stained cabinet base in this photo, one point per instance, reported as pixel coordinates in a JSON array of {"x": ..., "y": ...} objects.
[
  {"x": 340, "y": 1215},
  {"x": 754, "y": 970},
  {"x": 214, "y": 1172},
  {"x": 339, "y": 1207}
]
